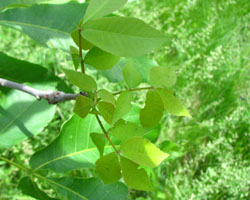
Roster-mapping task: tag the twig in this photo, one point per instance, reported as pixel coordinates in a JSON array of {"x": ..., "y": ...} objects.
[
  {"x": 134, "y": 89},
  {"x": 53, "y": 97},
  {"x": 80, "y": 49}
]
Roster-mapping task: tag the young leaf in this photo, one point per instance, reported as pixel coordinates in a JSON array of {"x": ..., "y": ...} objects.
[
  {"x": 106, "y": 110},
  {"x": 85, "y": 44},
  {"x": 100, "y": 8},
  {"x": 82, "y": 106},
  {"x": 75, "y": 57},
  {"x": 123, "y": 36},
  {"x": 124, "y": 131},
  {"x": 135, "y": 178},
  {"x": 123, "y": 105},
  {"x": 171, "y": 103},
  {"x": 99, "y": 141},
  {"x": 108, "y": 168},
  {"x": 152, "y": 113},
  {"x": 30, "y": 188},
  {"x": 130, "y": 75},
  {"x": 143, "y": 152},
  {"x": 72, "y": 149},
  {"x": 89, "y": 189},
  {"x": 162, "y": 77},
  {"x": 100, "y": 59},
  {"x": 106, "y": 96},
  {"x": 83, "y": 81}
]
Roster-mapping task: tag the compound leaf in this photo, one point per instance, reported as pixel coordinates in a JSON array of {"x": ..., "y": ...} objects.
[
  {"x": 134, "y": 177},
  {"x": 100, "y": 59},
  {"x": 143, "y": 152},
  {"x": 83, "y": 81},
  {"x": 123, "y": 36},
  {"x": 108, "y": 167}
]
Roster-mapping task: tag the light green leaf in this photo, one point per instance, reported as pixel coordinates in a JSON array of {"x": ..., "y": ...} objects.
[
  {"x": 86, "y": 45},
  {"x": 99, "y": 141},
  {"x": 76, "y": 58},
  {"x": 152, "y": 113},
  {"x": 123, "y": 36},
  {"x": 143, "y": 152},
  {"x": 83, "y": 81},
  {"x": 100, "y": 8},
  {"x": 162, "y": 77},
  {"x": 72, "y": 149},
  {"x": 83, "y": 105},
  {"x": 171, "y": 103},
  {"x": 49, "y": 25},
  {"x": 106, "y": 110},
  {"x": 123, "y": 105},
  {"x": 135, "y": 178},
  {"x": 22, "y": 116},
  {"x": 125, "y": 130},
  {"x": 29, "y": 187},
  {"x": 106, "y": 96},
  {"x": 91, "y": 189},
  {"x": 131, "y": 76},
  {"x": 100, "y": 59},
  {"x": 108, "y": 167}
]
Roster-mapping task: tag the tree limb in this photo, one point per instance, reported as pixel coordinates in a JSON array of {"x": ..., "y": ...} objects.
[{"x": 53, "y": 97}]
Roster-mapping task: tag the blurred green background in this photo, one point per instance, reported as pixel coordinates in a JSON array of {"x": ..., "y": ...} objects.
[{"x": 209, "y": 45}]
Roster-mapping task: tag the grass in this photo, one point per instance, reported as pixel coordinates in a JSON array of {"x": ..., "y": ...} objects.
[{"x": 209, "y": 46}]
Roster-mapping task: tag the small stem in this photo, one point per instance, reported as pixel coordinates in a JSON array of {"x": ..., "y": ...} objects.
[
  {"x": 106, "y": 134},
  {"x": 134, "y": 89},
  {"x": 16, "y": 165},
  {"x": 80, "y": 49}
]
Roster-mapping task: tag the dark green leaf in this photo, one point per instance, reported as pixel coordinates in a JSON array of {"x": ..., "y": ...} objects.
[
  {"x": 152, "y": 113},
  {"x": 83, "y": 81},
  {"x": 100, "y": 59},
  {"x": 108, "y": 167},
  {"x": 123, "y": 36},
  {"x": 73, "y": 149},
  {"x": 135, "y": 178},
  {"x": 83, "y": 105},
  {"x": 162, "y": 77},
  {"x": 131, "y": 76},
  {"x": 143, "y": 152},
  {"x": 99, "y": 140}
]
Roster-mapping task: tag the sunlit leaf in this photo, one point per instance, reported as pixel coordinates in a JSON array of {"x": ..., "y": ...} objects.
[
  {"x": 131, "y": 76},
  {"x": 143, "y": 152},
  {"x": 123, "y": 36},
  {"x": 82, "y": 106},
  {"x": 108, "y": 167},
  {"x": 106, "y": 110},
  {"x": 99, "y": 140},
  {"x": 162, "y": 77},
  {"x": 106, "y": 96},
  {"x": 134, "y": 177}
]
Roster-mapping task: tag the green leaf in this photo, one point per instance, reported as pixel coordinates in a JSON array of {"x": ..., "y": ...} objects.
[
  {"x": 76, "y": 58},
  {"x": 152, "y": 113},
  {"x": 72, "y": 149},
  {"x": 126, "y": 130},
  {"x": 99, "y": 140},
  {"x": 131, "y": 76},
  {"x": 30, "y": 188},
  {"x": 49, "y": 25},
  {"x": 171, "y": 103},
  {"x": 143, "y": 152},
  {"x": 83, "y": 105},
  {"x": 123, "y": 36},
  {"x": 123, "y": 105},
  {"x": 22, "y": 116},
  {"x": 100, "y": 8},
  {"x": 106, "y": 110},
  {"x": 83, "y": 81},
  {"x": 100, "y": 59},
  {"x": 142, "y": 64},
  {"x": 91, "y": 189},
  {"x": 135, "y": 178},
  {"x": 106, "y": 96},
  {"x": 108, "y": 167},
  {"x": 86, "y": 45},
  {"x": 162, "y": 77}
]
